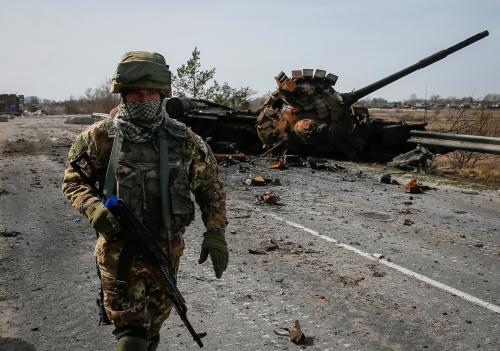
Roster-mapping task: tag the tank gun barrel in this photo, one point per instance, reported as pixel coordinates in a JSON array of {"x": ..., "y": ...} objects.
[{"x": 352, "y": 97}]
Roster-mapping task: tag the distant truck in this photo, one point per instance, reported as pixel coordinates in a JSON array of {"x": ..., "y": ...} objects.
[{"x": 11, "y": 104}]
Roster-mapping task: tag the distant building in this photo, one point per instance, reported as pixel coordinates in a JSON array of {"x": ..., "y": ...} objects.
[{"x": 11, "y": 104}]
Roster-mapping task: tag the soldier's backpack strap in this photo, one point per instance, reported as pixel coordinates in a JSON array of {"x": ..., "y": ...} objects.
[
  {"x": 110, "y": 182},
  {"x": 165, "y": 181}
]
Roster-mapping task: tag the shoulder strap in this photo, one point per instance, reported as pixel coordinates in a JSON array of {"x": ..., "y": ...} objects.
[
  {"x": 165, "y": 181},
  {"x": 109, "y": 183}
]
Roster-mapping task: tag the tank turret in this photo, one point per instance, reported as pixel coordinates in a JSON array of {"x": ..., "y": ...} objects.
[{"x": 306, "y": 113}]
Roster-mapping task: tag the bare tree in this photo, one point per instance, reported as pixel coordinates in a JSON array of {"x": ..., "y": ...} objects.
[{"x": 464, "y": 123}]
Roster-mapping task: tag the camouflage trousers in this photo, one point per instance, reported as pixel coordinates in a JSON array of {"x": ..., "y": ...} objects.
[{"x": 138, "y": 302}]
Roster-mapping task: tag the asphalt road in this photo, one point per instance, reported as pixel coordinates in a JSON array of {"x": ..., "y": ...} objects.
[{"x": 335, "y": 255}]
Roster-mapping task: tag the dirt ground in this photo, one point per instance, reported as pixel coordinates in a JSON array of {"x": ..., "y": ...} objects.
[{"x": 361, "y": 264}]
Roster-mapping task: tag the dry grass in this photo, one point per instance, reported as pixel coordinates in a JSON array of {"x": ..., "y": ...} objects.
[
  {"x": 473, "y": 166},
  {"x": 486, "y": 170},
  {"x": 439, "y": 120}
]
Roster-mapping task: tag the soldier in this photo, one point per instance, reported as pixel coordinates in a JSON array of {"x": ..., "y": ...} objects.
[{"x": 159, "y": 161}]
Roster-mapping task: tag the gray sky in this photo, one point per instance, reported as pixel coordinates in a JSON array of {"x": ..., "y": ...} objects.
[{"x": 54, "y": 49}]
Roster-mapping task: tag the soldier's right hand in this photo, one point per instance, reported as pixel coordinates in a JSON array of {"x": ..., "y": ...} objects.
[{"x": 102, "y": 219}]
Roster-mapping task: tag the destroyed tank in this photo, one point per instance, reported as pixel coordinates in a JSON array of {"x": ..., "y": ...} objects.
[
  {"x": 227, "y": 130},
  {"x": 306, "y": 115}
]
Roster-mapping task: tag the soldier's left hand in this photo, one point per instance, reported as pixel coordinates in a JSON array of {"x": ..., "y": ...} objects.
[{"x": 214, "y": 244}]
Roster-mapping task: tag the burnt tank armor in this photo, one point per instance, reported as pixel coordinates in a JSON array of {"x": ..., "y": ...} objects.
[{"x": 305, "y": 113}]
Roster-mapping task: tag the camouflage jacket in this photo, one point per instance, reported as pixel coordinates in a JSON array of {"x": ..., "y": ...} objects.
[{"x": 198, "y": 160}]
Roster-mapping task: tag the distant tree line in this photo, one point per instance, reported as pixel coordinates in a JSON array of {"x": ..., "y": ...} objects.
[
  {"x": 189, "y": 80},
  {"x": 97, "y": 99}
]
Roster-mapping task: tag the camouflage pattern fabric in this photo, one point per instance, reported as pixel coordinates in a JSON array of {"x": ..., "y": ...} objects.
[
  {"x": 142, "y": 70},
  {"x": 140, "y": 301},
  {"x": 201, "y": 167}
]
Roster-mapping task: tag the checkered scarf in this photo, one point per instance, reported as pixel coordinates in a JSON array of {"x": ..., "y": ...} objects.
[{"x": 138, "y": 121}]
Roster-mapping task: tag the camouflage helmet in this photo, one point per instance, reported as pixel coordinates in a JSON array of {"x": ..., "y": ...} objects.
[{"x": 142, "y": 70}]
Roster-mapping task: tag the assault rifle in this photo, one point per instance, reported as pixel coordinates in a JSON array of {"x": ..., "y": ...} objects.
[{"x": 143, "y": 240}]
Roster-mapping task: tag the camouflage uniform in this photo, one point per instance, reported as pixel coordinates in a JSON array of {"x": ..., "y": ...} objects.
[{"x": 139, "y": 301}]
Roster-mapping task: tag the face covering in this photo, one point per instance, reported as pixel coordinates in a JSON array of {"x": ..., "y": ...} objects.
[{"x": 138, "y": 121}]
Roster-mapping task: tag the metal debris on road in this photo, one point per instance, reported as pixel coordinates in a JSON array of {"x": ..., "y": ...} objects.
[
  {"x": 296, "y": 334},
  {"x": 261, "y": 181},
  {"x": 414, "y": 159},
  {"x": 412, "y": 186},
  {"x": 257, "y": 252},
  {"x": 12, "y": 234},
  {"x": 269, "y": 197},
  {"x": 350, "y": 280},
  {"x": 385, "y": 178},
  {"x": 408, "y": 222},
  {"x": 226, "y": 160},
  {"x": 272, "y": 245},
  {"x": 293, "y": 161},
  {"x": 257, "y": 180},
  {"x": 280, "y": 164},
  {"x": 376, "y": 272},
  {"x": 320, "y": 296}
]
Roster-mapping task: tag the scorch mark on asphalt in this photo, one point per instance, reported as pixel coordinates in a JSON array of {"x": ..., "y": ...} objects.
[{"x": 410, "y": 273}]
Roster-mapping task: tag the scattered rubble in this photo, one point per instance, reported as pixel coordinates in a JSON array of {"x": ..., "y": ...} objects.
[
  {"x": 4, "y": 118},
  {"x": 376, "y": 272},
  {"x": 414, "y": 159},
  {"x": 408, "y": 222},
  {"x": 257, "y": 252},
  {"x": 7, "y": 234},
  {"x": 351, "y": 280},
  {"x": 226, "y": 160},
  {"x": 386, "y": 178},
  {"x": 295, "y": 334},
  {"x": 414, "y": 187},
  {"x": 259, "y": 180},
  {"x": 269, "y": 197},
  {"x": 280, "y": 164}
]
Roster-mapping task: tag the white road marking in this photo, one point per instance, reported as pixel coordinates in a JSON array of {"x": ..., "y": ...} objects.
[{"x": 490, "y": 306}]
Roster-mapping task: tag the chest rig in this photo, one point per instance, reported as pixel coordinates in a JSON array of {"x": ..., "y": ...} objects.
[{"x": 152, "y": 179}]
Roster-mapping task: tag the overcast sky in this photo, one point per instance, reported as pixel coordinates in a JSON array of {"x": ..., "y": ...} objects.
[{"x": 54, "y": 49}]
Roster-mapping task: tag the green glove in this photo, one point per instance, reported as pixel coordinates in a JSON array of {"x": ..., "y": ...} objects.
[
  {"x": 102, "y": 219},
  {"x": 215, "y": 244}
]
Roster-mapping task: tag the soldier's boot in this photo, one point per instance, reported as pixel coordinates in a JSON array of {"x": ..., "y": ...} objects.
[
  {"x": 132, "y": 343},
  {"x": 153, "y": 342}
]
